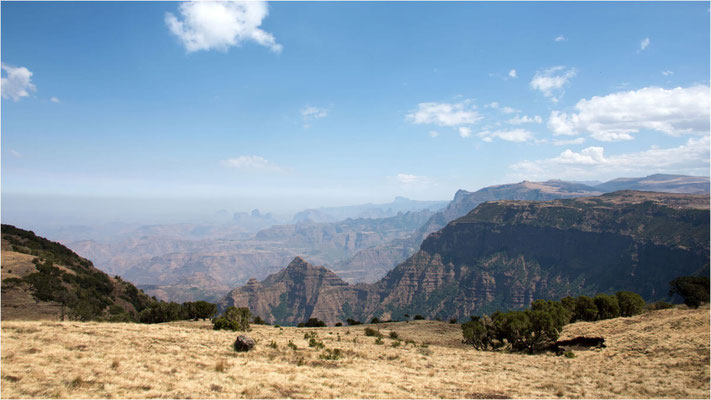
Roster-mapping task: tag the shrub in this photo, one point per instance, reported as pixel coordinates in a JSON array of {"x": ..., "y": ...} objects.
[
  {"x": 351, "y": 321},
  {"x": 694, "y": 290},
  {"x": 557, "y": 309},
  {"x": 199, "y": 309},
  {"x": 329, "y": 354},
  {"x": 453, "y": 321},
  {"x": 630, "y": 303},
  {"x": 313, "y": 323},
  {"x": 378, "y": 340},
  {"x": 569, "y": 354},
  {"x": 223, "y": 323},
  {"x": 476, "y": 334},
  {"x": 274, "y": 345},
  {"x": 238, "y": 316},
  {"x": 339, "y": 323},
  {"x": 660, "y": 305},
  {"x": 585, "y": 309},
  {"x": 258, "y": 321},
  {"x": 315, "y": 343},
  {"x": 395, "y": 343},
  {"x": 607, "y": 306},
  {"x": 375, "y": 320},
  {"x": 372, "y": 332},
  {"x": 292, "y": 346},
  {"x": 418, "y": 317},
  {"x": 394, "y": 335}
]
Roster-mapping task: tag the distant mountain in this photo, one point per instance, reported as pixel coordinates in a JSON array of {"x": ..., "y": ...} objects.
[
  {"x": 659, "y": 183},
  {"x": 503, "y": 255},
  {"x": 42, "y": 279},
  {"x": 369, "y": 210}
]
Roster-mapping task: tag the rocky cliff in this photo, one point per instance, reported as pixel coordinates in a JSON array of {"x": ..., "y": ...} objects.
[{"x": 504, "y": 254}]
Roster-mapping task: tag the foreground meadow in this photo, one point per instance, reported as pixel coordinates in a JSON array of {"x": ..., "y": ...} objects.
[{"x": 662, "y": 354}]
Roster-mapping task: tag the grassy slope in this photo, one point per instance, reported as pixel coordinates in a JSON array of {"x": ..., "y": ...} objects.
[{"x": 662, "y": 354}]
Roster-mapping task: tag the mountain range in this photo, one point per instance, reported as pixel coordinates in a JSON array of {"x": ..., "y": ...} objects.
[{"x": 503, "y": 255}]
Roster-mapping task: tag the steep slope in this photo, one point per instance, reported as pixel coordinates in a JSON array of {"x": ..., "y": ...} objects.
[
  {"x": 45, "y": 280},
  {"x": 504, "y": 254}
]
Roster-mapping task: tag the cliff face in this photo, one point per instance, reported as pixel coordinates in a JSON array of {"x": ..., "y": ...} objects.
[{"x": 505, "y": 254}]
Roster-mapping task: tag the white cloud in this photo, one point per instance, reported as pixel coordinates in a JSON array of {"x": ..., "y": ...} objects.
[
  {"x": 525, "y": 119},
  {"x": 691, "y": 158},
  {"x": 464, "y": 131},
  {"x": 505, "y": 109},
  {"x": 207, "y": 25},
  {"x": 251, "y": 162},
  {"x": 579, "y": 140},
  {"x": 54, "y": 100},
  {"x": 559, "y": 38},
  {"x": 15, "y": 153},
  {"x": 643, "y": 44},
  {"x": 17, "y": 83},
  {"x": 617, "y": 116},
  {"x": 445, "y": 114},
  {"x": 513, "y": 74},
  {"x": 310, "y": 113},
  {"x": 433, "y": 134},
  {"x": 513, "y": 135},
  {"x": 667, "y": 73},
  {"x": 409, "y": 179},
  {"x": 551, "y": 81}
]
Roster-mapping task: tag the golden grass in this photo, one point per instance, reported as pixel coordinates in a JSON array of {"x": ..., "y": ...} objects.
[{"x": 663, "y": 354}]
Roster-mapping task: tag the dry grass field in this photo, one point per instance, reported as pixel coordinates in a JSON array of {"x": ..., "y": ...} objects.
[{"x": 662, "y": 354}]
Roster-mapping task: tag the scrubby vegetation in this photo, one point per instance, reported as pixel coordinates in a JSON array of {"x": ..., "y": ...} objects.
[
  {"x": 233, "y": 319},
  {"x": 694, "y": 290},
  {"x": 537, "y": 328},
  {"x": 312, "y": 323}
]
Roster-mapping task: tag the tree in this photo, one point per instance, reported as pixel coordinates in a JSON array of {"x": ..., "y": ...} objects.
[
  {"x": 557, "y": 309},
  {"x": 314, "y": 323},
  {"x": 204, "y": 309},
  {"x": 475, "y": 333},
  {"x": 630, "y": 303},
  {"x": 607, "y": 306},
  {"x": 694, "y": 290},
  {"x": 585, "y": 309}
]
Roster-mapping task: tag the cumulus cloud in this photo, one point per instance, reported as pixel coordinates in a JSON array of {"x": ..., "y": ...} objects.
[
  {"x": 513, "y": 135},
  {"x": 251, "y": 162},
  {"x": 17, "y": 82},
  {"x": 643, "y": 44},
  {"x": 559, "y": 38},
  {"x": 445, "y": 114},
  {"x": 551, "y": 81},
  {"x": 503, "y": 109},
  {"x": 525, "y": 119},
  {"x": 619, "y": 115},
  {"x": 54, "y": 100},
  {"x": 691, "y": 157},
  {"x": 513, "y": 74},
  {"x": 207, "y": 25}
]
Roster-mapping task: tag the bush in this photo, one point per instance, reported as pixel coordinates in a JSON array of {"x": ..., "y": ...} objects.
[
  {"x": 234, "y": 319},
  {"x": 660, "y": 305},
  {"x": 418, "y": 317},
  {"x": 223, "y": 323},
  {"x": 375, "y": 320},
  {"x": 329, "y": 354},
  {"x": 585, "y": 309},
  {"x": 453, "y": 321},
  {"x": 313, "y": 323},
  {"x": 372, "y": 332},
  {"x": 476, "y": 334},
  {"x": 394, "y": 335},
  {"x": 258, "y": 321},
  {"x": 694, "y": 290},
  {"x": 630, "y": 303},
  {"x": 351, "y": 321},
  {"x": 315, "y": 343},
  {"x": 557, "y": 309},
  {"x": 339, "y": 323},
  {"x": 607, "y": 306}
]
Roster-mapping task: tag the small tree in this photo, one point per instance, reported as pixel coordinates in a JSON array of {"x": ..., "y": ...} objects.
[
  {"x": 476, "y": 333},
  {"x": 694, "y": 290},
  {"x": 314, "y": 323},
  {"x": 630, "y": 303},
  {"x": 204, "y": 309},
  {"x": 607, "y": 306},
  {"x": 585, "y": 309},
  {"x": 235, "y": 319}
]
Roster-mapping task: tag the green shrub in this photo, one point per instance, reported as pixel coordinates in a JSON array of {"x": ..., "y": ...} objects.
[
  {"x": 224, "y": 323},
  {"x": 418, "y": 317},
  {"x": 476, "y": 334},
  {"x": 394, "y": 335},
  {"x": 694, "y": 290},
  {"x": 585, "y": 309},
  {"x": 339, "y": 323},
  {"x": 351, "y": 321},
  {"x": 378, "y": 340},
  {"x": 274, "y": 345},
  {"x": 258, "y": 321},
  {"x": 372, "y": 332},
  {"x": 292, "y": 346},
  {"x": 375, "y": 320},
  {"x": 569, "y": 354},
  {"x": 395, "y": 343},
  {"x": 607, "y": 306},
  {"x": 630, "y": 303},
  {"x": 239, "y": 317},
  {"x": 315, "y": 343}
]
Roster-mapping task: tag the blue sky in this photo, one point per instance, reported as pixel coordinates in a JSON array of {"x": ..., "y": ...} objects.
[{"x": 283, "y": 106}]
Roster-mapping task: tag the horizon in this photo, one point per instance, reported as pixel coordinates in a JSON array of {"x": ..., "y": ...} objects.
[{"x": 143, "y": 112}]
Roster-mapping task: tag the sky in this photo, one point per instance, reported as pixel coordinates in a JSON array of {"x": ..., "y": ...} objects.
[{"x": 121, "y": 109}]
